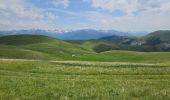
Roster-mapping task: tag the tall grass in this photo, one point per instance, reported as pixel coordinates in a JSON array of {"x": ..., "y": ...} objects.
[{"x": 42, "y": 80}]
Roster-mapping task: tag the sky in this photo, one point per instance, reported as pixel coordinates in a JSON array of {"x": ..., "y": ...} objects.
[{"x": 122, "y": 15}]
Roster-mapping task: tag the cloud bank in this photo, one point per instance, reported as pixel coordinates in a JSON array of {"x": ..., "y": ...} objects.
[
  {"x": 138, "y": 14},
  {"x": 17, "y": 14},
  {"x": 124, "y": 15}
]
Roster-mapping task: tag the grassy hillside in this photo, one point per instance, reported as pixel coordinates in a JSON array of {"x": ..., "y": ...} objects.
[
  {"x": 128, "y": 56},
  {"x": 67, "y": 71},
  {"x": 89, "y": 44},
  {"x": 30, "y": 80},
  {"x": 158, "y": 41},
  {"x": 53, "y": 49},
  {"x": 58, "y": 49},
  {"x": 7, "y": 51},
  {"x": 24, "y": 39},
  {"x": 163, "y": 35},
  {"x": 99, "y": 46}
]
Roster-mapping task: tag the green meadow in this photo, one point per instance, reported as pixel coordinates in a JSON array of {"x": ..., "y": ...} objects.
[
  {"x": 77, "y": 80},
  {"x": 43, "y": 68}
]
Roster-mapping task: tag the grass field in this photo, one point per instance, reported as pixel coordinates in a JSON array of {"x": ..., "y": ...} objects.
[
  {"x": 77, "y": 80},
  {"x": 46, "y": 48},
  {"x": 43, "y": 68}
]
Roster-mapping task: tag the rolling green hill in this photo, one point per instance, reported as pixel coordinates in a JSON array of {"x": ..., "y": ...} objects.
[
  {"x": 24, "y": 39},
  {"x": 40, "y": 67},
  {"x": 42, "y": 47},
  {"x": 7, "y": 51},
  {"x": 158, "y": 41},
  {"x": 163, "y": 35},
  {"x": 128, "y": 56},
  {"x": 54, "y": 48},
  {"x": 43, "y": 80}
]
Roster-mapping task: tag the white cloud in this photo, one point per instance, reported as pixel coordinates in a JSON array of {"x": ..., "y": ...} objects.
[
  {"x": 50, "y": 16},
  {"x": 129, "y": 6},
  {"x": 140, "y": 15},
  {"x": 152, "y": 14},
  {"x": 145, "y": 22},
  {"x": 18, "y": 14},
  {"x": 126, "y": 6},
  {"x": 64, "y": 3}
]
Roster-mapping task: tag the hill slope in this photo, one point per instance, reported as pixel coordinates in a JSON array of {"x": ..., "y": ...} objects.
[
  {"x": 40, "y": 47},
  {"x": 24, "y": 39},
  {"x": 154, "y": 42},
  {"x": 163, "y": 35},
  {"x": 7, "y": 51},
  {"x": 52, "y": 47}
]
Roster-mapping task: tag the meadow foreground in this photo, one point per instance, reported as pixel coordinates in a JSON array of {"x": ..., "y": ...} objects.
[{"x": 77, "y": 80}]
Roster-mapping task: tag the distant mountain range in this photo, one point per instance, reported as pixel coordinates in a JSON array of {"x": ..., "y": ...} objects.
[{"x": 84, "y": 34}]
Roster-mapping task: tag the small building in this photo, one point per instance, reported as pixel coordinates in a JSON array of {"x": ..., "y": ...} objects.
[{"x": 138, "y": 42}]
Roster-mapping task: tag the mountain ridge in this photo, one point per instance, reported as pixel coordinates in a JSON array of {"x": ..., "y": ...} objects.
[{"x": 83, "y": 34}]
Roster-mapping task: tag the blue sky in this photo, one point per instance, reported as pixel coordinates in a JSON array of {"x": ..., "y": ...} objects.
[{"x": 122, "y": 15}]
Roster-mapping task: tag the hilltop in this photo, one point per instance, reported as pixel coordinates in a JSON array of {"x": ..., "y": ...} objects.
[
  {"x": 164, "y": 36},
  {"x": 25, "y": 39}
]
